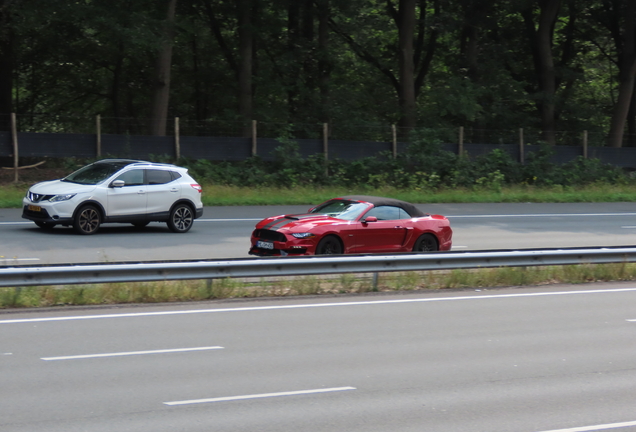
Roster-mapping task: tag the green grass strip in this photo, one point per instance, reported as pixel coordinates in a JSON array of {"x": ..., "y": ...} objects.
[{"x": 199, "y": 290}]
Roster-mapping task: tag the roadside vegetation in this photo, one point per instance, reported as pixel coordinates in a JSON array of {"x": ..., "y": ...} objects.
[
  {"x": 425, "y": 173},
  {"x": 199, "y": 290}
]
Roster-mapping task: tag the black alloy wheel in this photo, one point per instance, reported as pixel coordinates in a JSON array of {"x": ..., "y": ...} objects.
[
  {"x": 329, "y": 245},
  {"x": 181, "y": 218},
  {"x": 87, "y": 220},
  {"x": 426, "y": 243}
]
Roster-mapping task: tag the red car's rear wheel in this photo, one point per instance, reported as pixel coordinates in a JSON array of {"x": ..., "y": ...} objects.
[{"x": 426, "y": 243}]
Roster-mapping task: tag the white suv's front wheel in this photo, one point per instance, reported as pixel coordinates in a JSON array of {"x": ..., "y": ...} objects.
[
  {"x": 181, "y": 218},
  {"x": 87, "y": 220}
]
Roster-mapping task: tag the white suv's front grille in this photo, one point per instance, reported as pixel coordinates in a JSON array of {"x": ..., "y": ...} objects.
[{"x": 38, "y": 197}]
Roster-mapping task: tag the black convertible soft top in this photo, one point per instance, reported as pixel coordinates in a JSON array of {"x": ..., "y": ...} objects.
[{"x": 380, "y": 201}]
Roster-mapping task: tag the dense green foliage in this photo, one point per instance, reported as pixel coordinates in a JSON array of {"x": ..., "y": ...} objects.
[
  {"x": 472, "y": 63},
  {"x": 425, "y": 166}
]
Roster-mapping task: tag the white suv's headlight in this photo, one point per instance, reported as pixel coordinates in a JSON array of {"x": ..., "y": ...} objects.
[{"x": 58, "y": 198}]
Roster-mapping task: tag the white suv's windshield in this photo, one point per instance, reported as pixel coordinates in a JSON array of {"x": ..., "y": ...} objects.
[
  {"x": 341, "y": 209},
  {"x": 95, "y": 173}
]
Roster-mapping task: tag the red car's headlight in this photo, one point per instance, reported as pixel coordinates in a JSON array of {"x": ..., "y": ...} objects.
[{"x": 303, "y": 235}]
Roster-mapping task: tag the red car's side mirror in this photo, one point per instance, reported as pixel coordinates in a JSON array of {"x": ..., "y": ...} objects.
[{"x": 370, "y": 219}]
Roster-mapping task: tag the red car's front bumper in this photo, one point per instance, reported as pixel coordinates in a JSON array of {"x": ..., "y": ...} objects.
[{"x": 263, "y": 246}]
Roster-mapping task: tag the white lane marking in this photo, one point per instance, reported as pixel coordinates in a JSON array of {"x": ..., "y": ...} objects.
[
  {"x": 198, "y": 220},
  {"x": 448, "y": 216},
  {"x": 259, "y": 396},
  {"x": 541, "y": 215},
  {"x": 3, "y": 259},
  {"x": 314, "y": 305},
  {"x": 131, "y": 353},
  {"x": 628, "y": 227},
  {"x": 595, "y": 428},
  {"x": 229, "y": 220},
  {"x": 459, "y": 247}
]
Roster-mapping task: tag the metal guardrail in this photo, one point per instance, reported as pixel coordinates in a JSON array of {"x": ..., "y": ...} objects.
[{"x": 20, "y": 276}]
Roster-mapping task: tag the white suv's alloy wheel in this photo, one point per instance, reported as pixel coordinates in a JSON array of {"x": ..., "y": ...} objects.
[
  {"x": 87, "y": 220},
  {"x": 181, "y": 218}
]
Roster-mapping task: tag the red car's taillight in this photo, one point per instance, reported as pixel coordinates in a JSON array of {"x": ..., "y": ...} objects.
[{"x": 197, "y": 187}]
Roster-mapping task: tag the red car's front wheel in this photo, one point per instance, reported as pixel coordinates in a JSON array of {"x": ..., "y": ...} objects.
[{"x": 329, "y": 245}]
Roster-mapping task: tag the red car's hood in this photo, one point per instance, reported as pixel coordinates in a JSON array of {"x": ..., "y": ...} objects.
[{"x": 297, "y": 222}]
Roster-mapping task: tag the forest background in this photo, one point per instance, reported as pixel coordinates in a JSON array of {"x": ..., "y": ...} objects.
[{"x": 545, "y": 65}]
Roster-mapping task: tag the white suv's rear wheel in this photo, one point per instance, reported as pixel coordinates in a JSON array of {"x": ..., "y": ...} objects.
[
  {"x": 181, "y": 218},
  {"x": 87, "y": 220}
]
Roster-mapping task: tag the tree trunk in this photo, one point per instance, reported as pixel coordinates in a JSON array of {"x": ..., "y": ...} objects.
[
  {"x": 631, "y": 122},
  {"x": 627, "y": 72},
  {"x": 246, "y": 43},
  {"x": 6, "y": 68},
  {"x": 541, "y": 41},
  {"x": 161, "y": 97},
  {"x": 293, "y": 30},
  {"x": 406, "y": 23},
  {"x": 324, "y": 63}
]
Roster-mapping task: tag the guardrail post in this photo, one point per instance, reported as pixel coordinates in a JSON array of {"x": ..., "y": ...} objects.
[
  {"x": 98, "y": 127},
  {"x": 177, "y": 142},
  {"x": 254, "y": 137},
  {"x": 14, "y": 139},
  {"x": 521, "y": 149},
  {"x": 325, "y": 146},
  {"x": 394, "y": 145}
]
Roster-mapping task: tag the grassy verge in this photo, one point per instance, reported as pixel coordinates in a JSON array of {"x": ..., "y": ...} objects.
[
  {"x": 215, "y": 195},
  {"x": 180, "y": 291},
  {"x": 232, "y": 195}
]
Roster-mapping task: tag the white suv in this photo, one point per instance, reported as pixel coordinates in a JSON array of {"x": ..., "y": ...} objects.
[{"x": 116, "y": 190}]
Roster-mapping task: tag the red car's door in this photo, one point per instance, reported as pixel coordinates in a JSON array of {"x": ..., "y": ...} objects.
[{"x": 386, "y": 233}]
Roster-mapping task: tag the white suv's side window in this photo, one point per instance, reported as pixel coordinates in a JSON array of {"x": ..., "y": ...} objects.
[
  {"x": 158, "y": 176},
  {"x": 132, "y": 177}
]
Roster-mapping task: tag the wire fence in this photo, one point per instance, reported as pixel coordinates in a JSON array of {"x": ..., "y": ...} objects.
[{"x": 46, "y": 123}]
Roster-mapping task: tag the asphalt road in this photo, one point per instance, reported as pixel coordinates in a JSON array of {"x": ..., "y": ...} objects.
[
  {"x": 224, "y": 232},
  {"x": 528, "y": 360}
]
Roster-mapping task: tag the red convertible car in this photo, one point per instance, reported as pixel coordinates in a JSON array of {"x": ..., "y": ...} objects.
[{"x": 352, "y": 224}]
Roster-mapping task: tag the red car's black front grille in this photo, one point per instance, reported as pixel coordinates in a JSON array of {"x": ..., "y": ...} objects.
[{"x": 265, "y": 234}]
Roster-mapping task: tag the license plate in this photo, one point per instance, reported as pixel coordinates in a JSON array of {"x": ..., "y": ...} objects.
[
  {"x": 264, "y": 245},
  {"x": 35, "y": 208}
]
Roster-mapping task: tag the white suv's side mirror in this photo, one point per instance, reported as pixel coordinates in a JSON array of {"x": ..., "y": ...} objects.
[{"x": 117, "y": 183}]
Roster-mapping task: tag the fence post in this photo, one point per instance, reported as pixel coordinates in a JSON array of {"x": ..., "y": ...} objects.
[
  {"x": 585, "y": 144},
  {"x": 14, "y": 139},
  {"x": 177, "y": 141},
  {"x": 394, "y": 142},
  {"x": 325, "y": 146},
  {"x": 460, "y": 151},
  {"x": 254, "y": 135},
  {"x": 98, "y": 124},
  {"x": 521, "y": 149}
]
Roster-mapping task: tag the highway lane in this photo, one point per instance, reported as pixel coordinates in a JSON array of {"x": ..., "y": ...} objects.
[
  {"x": 223, "y": 232},
  {"x": 529, "y": 360}
]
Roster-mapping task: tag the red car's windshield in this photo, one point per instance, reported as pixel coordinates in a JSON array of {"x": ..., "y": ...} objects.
[{"x": 341, "y": 209}]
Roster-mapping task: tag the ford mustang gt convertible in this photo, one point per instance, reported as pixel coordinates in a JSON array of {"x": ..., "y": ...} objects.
[{"x": 352, "y": 224}]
